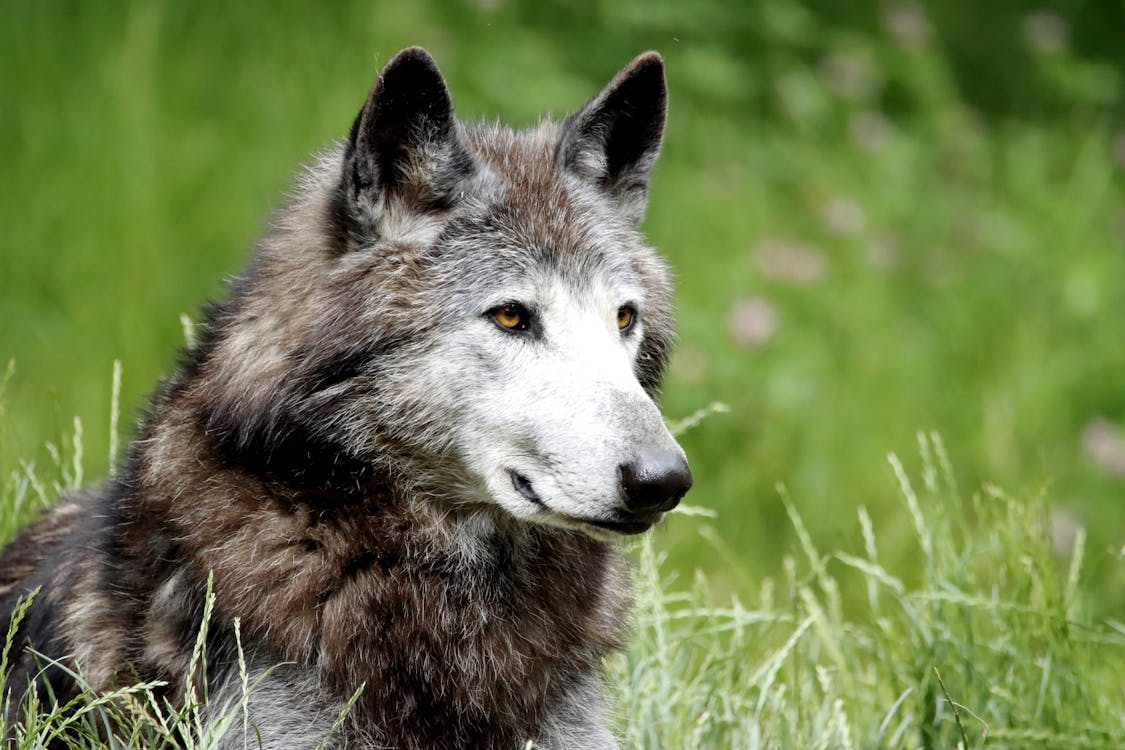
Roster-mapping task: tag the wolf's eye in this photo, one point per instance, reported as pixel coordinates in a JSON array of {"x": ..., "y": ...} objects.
[
  {"x": 626, "y": 317},
  {"x": 512, "y": 317}
]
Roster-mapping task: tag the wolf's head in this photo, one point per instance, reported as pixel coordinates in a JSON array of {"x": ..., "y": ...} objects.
[{"x": 469, "y": 307}]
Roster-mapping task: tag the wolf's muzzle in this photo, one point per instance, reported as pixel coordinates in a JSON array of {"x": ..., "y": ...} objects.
[{"x": 655, "y": 481}]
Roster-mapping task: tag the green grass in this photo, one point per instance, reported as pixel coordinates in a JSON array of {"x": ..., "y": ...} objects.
[{"x": 994, "y": 646}]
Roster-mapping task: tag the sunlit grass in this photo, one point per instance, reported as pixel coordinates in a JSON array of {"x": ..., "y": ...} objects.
[{"x": 993, "y": 647}]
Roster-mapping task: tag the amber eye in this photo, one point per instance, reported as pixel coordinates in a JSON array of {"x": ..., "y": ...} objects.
[
  {"x": 626, "y": 316},
  {"x": 512, "y": 317}
]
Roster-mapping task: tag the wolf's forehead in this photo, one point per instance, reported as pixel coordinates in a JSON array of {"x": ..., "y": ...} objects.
[
  {"x": 523, "y": 158},
  {"x": 528, "y": 202}
]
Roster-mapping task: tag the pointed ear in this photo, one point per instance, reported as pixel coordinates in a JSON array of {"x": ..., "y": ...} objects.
[
  {"x": 404, "y": 143},
  {"x": 613, "y": 141}
]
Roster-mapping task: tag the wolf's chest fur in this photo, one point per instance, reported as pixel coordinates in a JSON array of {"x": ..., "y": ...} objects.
[
  {"x": 462, "y": 632},
  {"x": 400, "y": 451}
]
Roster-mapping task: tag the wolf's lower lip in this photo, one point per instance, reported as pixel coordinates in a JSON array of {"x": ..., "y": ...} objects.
[{"x": 629, "y": 527}]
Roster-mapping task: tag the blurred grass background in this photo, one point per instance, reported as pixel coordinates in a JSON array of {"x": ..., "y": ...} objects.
[{"x": 885, "y": 217}]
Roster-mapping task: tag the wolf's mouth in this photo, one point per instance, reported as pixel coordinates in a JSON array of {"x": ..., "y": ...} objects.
[
  {"x": 633, "y": 524},
  {"x": 523, "y": 486}
]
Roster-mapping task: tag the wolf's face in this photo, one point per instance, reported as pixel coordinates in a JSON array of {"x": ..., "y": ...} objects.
[
  {"x": 479, "y": 307},
  {"x": 545, "y": 338},
  {"x": 557, "y": 426}
]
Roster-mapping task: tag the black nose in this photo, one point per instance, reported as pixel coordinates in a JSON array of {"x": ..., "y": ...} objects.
[{"x": 655, "y": 481}]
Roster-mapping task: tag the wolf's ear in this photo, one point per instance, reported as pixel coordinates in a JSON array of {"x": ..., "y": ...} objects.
[
  {"x": 614, "y": 140},
  {"x": 404, "y": 142}
]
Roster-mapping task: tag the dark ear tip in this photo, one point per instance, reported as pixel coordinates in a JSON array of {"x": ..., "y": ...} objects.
[
  {"x": 649, "y": 60},
  {"x": 648, "y": 64},
  {"x": 644, "y": 73},
  {"x": 412, "y": 57}
]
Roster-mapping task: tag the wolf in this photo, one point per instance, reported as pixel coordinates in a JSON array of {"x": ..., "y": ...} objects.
[{"x": 401, "y": 453}]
